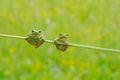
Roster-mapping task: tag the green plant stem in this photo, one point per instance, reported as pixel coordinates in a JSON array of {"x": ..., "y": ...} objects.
[
  {"x": 96, "y": 48},
  {"x": 88, "y": 47},
  {"x": 12, "y": 36},
  {"x": 70, "y": 44}
]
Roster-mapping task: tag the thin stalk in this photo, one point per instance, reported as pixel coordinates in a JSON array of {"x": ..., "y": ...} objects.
[
  {"x": 96, "y": 48},
  {"x": 88, "y": 47},
  {"x": 69, "y": 44},
  {"x": 11, "y": 36}
]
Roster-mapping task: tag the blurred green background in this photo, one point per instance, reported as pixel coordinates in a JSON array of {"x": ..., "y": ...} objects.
[{"x": 88, "y": 22}]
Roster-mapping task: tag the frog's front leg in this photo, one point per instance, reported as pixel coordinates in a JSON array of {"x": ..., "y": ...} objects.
[
  {"x": 42, "y": 38},
  {"x": 66, "y": 43},
  {"x": 27, "y": 37}
]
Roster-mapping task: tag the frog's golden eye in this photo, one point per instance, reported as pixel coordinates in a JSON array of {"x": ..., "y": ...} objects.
[
  {"x": 39, "y": 31},
  {"x": 32, "y": 30}
]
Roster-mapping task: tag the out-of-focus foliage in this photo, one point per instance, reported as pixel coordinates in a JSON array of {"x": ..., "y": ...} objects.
[{"x": 88, "y": 22}]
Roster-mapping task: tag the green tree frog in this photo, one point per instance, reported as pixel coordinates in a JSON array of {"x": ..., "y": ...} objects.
[
  {"x": 61, "y": 42},
  {"x": 35, "y": 38}
]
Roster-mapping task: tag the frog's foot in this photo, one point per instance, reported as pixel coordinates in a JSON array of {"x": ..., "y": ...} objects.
[
  {"x": 36, "y": 46},
  {"x": 63, "y": 50},
  {"x": 42, "y": 38},
  {"x": 26, "y": 38},
  {"x": 66, "y": 44},
  {"x": 55, "y": 42}
]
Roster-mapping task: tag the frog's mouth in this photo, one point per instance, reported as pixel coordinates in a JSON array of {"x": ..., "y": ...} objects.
[
  {"x": 36, "y": 34},
  {"x": 63, "y": 37}
]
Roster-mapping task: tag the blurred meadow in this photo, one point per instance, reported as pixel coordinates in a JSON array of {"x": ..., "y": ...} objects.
[{"x": 88, "y": 22}]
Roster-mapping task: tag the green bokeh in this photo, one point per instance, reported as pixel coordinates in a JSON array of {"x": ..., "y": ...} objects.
[{"x": 88, "y": 22}]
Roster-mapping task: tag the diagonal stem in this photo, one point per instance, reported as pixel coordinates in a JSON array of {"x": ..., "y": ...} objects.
[
  {"x": 11, "y": 36},
  {"x": 96, "y": 48},
  {"x": 70, "y": 44}
]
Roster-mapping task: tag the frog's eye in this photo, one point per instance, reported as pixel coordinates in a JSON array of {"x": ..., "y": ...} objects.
[
  {"x": 60, "y": 34},
  {"x": 66, "y": 34},
  {"x": 32, "y": 30},
  {"x": 39, "y": 31}
]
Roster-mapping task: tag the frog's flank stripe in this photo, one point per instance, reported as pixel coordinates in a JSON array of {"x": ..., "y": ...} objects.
[{"x": 70, "y": 44}]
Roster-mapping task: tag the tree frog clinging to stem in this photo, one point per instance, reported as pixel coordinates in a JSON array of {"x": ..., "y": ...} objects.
[
  {"x": 35, "y": 38},
  {"x": 61, "y": 42}
]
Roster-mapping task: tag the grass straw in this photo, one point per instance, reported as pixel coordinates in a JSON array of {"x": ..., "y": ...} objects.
[{"x": 70, "y": 44}]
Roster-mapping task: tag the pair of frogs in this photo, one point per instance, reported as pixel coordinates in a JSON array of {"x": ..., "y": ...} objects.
[{"x": 36, "y": 38}]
